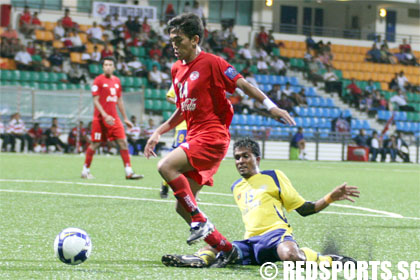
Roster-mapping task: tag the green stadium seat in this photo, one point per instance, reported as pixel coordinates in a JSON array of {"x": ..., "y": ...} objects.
[
  {"x": 34, "y": 85},
  {"x": 14, "y": 83},
  {"x": 87, "y": 87},
  {"x": 276, "y": 51},
  {"x": 61, "y": 86},
  {"x": 16, "y": 75},
  {"x": 37, "y": 58},
  {"x": 129, "y": 82},
  {"x": 25, "y": 76},
  {"x": 157, "y": 105},
  {"x": 137, "y": 82},
  {"x": 142, "y": 52},
  {"x": 71, "y": 86},
  {"x": 95, "y": 69},
  {"x": 53, "y": 77},
  {"x": 162, "y": 94},
  {"x": 35, "y": 76},
  {"x": 144, "y": 81},
  {"x": 6, "y": 75},
  {"x": 25, "y": 84},
  {"x": 62, "y": 76},
  {"x": 44, "y": 77},
  {"x": 135, "y": 51},
  {"x": 166, "y": 106},
  {"x": 148, "y": 104},
  {"x": 166, "y": 115},
  {"x": 253, "y": 69},
  {"x": 148, "y": 93},
  {"x": 173, "y": 107},
  {"x": 44, "y": 86},
  {"x": 53, "y": 86}
]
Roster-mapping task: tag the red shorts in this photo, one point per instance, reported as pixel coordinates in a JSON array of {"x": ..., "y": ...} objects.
[
  {"x": 205, "y": 154},
  {"x": 102, "y": 132}
]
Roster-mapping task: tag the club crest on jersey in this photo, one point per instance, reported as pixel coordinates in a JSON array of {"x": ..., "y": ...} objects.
[
  {"x": 194, "y": 75},
  {"x": 231, "y": 72},
  {"x": 94, "y": 88}
]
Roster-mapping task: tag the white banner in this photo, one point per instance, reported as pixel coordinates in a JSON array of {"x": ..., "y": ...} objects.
[{"x": 102, "y": 9}]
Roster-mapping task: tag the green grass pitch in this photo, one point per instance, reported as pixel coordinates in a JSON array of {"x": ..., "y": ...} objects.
[{"x": 131, "y": 227}]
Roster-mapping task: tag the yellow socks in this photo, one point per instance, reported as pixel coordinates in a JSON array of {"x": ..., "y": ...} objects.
[
  {"x": 207, "y": 256},
  {"x": 312, "y": 256}
]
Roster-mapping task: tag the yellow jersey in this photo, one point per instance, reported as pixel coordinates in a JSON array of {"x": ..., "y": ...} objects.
[
  {"x": 261, "y": 199},
  {"x": 183, "y": 125}
]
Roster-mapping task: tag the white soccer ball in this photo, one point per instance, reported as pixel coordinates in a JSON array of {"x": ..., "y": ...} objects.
[{"x": 72, "y": 246}]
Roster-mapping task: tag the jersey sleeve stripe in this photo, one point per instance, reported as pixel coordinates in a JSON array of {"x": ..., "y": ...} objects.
[
  {"x": 273, "y": 175},
  {"x": 235, "y": 183}
]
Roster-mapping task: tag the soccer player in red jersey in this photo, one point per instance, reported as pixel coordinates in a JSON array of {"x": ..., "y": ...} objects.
[
  {"x": 106, "y": 124},
  {"x": 200, "y": 80}
]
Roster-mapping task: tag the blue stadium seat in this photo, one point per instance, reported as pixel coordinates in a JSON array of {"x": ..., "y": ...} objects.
[
  {"x": 242, "y": 120},
  {"x": 330, "y": 102},
  {"x": 319, "y": 112},
  {"x": 259, "y": 78},
  {"x": 335, "y": 112},
  {"x": 324, "y": 133},
  {"x": 322, "y": 102},
  {"x": 298, "y": 121},
  {"x": 326, "y": 112},
  {"x": 346, "y": 113},
  {"x": 306, "y": 122},
  {"x": 282, "y": 80},
  {"x": 293, "y": 81},
  {"x": 296, "y": 89},
  {"x": 314, "y": 122},
  {"x": 272, "y": 79},
  {"x": 366, "y": 125},
  {"x": 251, "y": 120},
  {"x": 235, "y": 119},
  {"x": 400, "y": 126},
  {"x": 310, "y": 91},
  {"x": 298, "y": 110},
  {"x": 260, "y": 121},
  {"x": 400, "y": 116}
]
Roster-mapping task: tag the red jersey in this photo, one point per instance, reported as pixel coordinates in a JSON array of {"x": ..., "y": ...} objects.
[
  {"x": 25, "y": 18},
  {"x": 109, "y": 90},
  {"x": 200, "y": 88},
  {"x": 67, "y": 22}
]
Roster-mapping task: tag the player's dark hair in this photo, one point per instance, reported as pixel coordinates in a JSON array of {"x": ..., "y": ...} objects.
[
  {"x": 248, "y": 143},
  {"x": 189, "y": 24},
  {"x": 109, "y": 58}
]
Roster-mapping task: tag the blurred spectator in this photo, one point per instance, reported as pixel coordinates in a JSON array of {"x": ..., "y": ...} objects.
[
  {"x": 187, "y": 8},
  {"x": 271, "y": 42},
  {"x": 117, "y": 25},
  {"x": 287, "y": 90},
  {"x": 52, "y": 139},
  {"x": 262, "y": 38},
  {"x": 374, "y": 54},
  {"x": 78, "y": 138},
  {"x": 156, "y": 78},
  {"x": 393, "y": 84},
  {"x": 133, "y": 135},
  {"x": 169, "y": 12},
  {"x": 332, "y": 82},
  {"x": 355, "y": 93},
  {"x": 404, "y": 47},
  {"x": 30, "y": 48},
  {"x": 245, "y": 52},
  {"x": 409, "y": 58},
  {"x": 262, "y": 66},
  {"x": 325, "y": 58},
  {"x": 402, "y": 148},
  {"x": 146, "y": 133},
  {"x": 260, "y": 52},
  {"x": 155, "y": 50},
  {"x": 379, "y": 101},
  {"x": 366, "y": 103},
  {"x": 25, "y": 25},
  {"x": 162, "y": 31},
  {"x": 400, "y": 99},
  {"x": 215, "y": 42},
  {"x": 106, "y": 52},
  {"x": 7, "y": 48},
  {"x": 59, "y": 31},
  {"x": 312, "y": 72},
  {"x": 298, "y": 142},
  {"x": 130, "y": 24},
  {"x": 9, "y": 33},
  {"x": 95, "y": 34},
  {"x": 310, "y": 43},
  {"x": 299, "y": 98},
  {"x": 275, "y": 93},
  {"x": 386, "y": 56},
  {"x": 95, "y": 56},
  {"x": 75, "y": 75},
  {"x": 106, "y": 26},
  {"x": 122, "y": 67},
  {"x": 67, "y": 21},
  {"x": 361, "y": 139},
  {"x": 286, "y": 104},
  {"x": 36, "y": 22},
  {"x": 402, "y": 81},
  {"x": 36, "y": 135},
  {"x": 2, "y": 136},
  {"x": 145, "y": 26},
  {"x": 196, "y": 9},
  {"x": 45, "y": 64},
  {"x": 389, "y": 147},
  {"x": 76, "y": 43},
  {"x": 370, "y": 87},
  {"x": 16, "y": 130},
  {"x": 56, "y": 60},
  {"x": 374, "y": 146},
  {"x": 136, "y": 67},
  {"x": 23, "y": 59},
  {"x": 278, "y": 66}
]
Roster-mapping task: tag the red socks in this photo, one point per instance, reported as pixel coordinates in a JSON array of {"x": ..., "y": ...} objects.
[
  {"x": 184, "y": 195},
  {"x": 89, "y": 157},
  {"x": 125, "y": 157},
  {"x": 218, "y": 241}
]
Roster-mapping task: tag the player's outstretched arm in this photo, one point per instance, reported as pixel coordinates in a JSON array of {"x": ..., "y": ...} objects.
[
  {"x": 257, "y": 94},
  {"x": 342, "y": 192},
  {"x": 172, "y": 122}
]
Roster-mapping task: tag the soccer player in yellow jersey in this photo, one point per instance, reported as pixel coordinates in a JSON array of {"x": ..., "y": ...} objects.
[
  {"x": 261, "y": 197},
  {"x": 180, "y": 137}
]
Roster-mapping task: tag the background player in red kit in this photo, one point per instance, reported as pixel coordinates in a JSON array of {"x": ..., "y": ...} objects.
[
  {"x": 106, "y": 124},
  {"x": 200, "y": 80}
]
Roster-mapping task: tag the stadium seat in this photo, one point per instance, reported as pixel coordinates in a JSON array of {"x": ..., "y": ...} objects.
[
  {"x": 25, "y": 76},
  {"x": 148, "y": 104}
]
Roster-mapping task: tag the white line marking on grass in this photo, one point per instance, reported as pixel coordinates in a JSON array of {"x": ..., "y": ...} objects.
[
  {"x": 172, "y": 201},
  {"x": 154, "y": 189},
  {"x": 395, "y": 215},
  {"x": 98, "y": 185}
]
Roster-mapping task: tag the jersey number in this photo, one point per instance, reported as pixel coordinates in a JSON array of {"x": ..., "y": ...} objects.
[
  {"x": 183, "y": 93},
  {"x": 113, "y": 91},
  {"x": 97, "y": 136}
]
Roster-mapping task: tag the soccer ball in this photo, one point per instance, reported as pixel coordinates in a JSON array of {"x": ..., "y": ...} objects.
[{"x": 72, "y": 246}]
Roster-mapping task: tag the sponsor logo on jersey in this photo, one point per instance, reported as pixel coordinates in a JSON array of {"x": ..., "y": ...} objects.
[
  {"x": 194, "y": 75},
  {"x": 106, "y": 85},
  {"x": 112, "y": 98},
  {"x": 231, "y": 73},
  {"x": 188, "y": 104}
]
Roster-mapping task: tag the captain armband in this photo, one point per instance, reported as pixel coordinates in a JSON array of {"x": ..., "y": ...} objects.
[{"x": 307, "y": 208}]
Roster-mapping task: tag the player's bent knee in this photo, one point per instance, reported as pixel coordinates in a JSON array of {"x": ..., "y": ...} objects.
[{"x": 290, "y": 253}]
